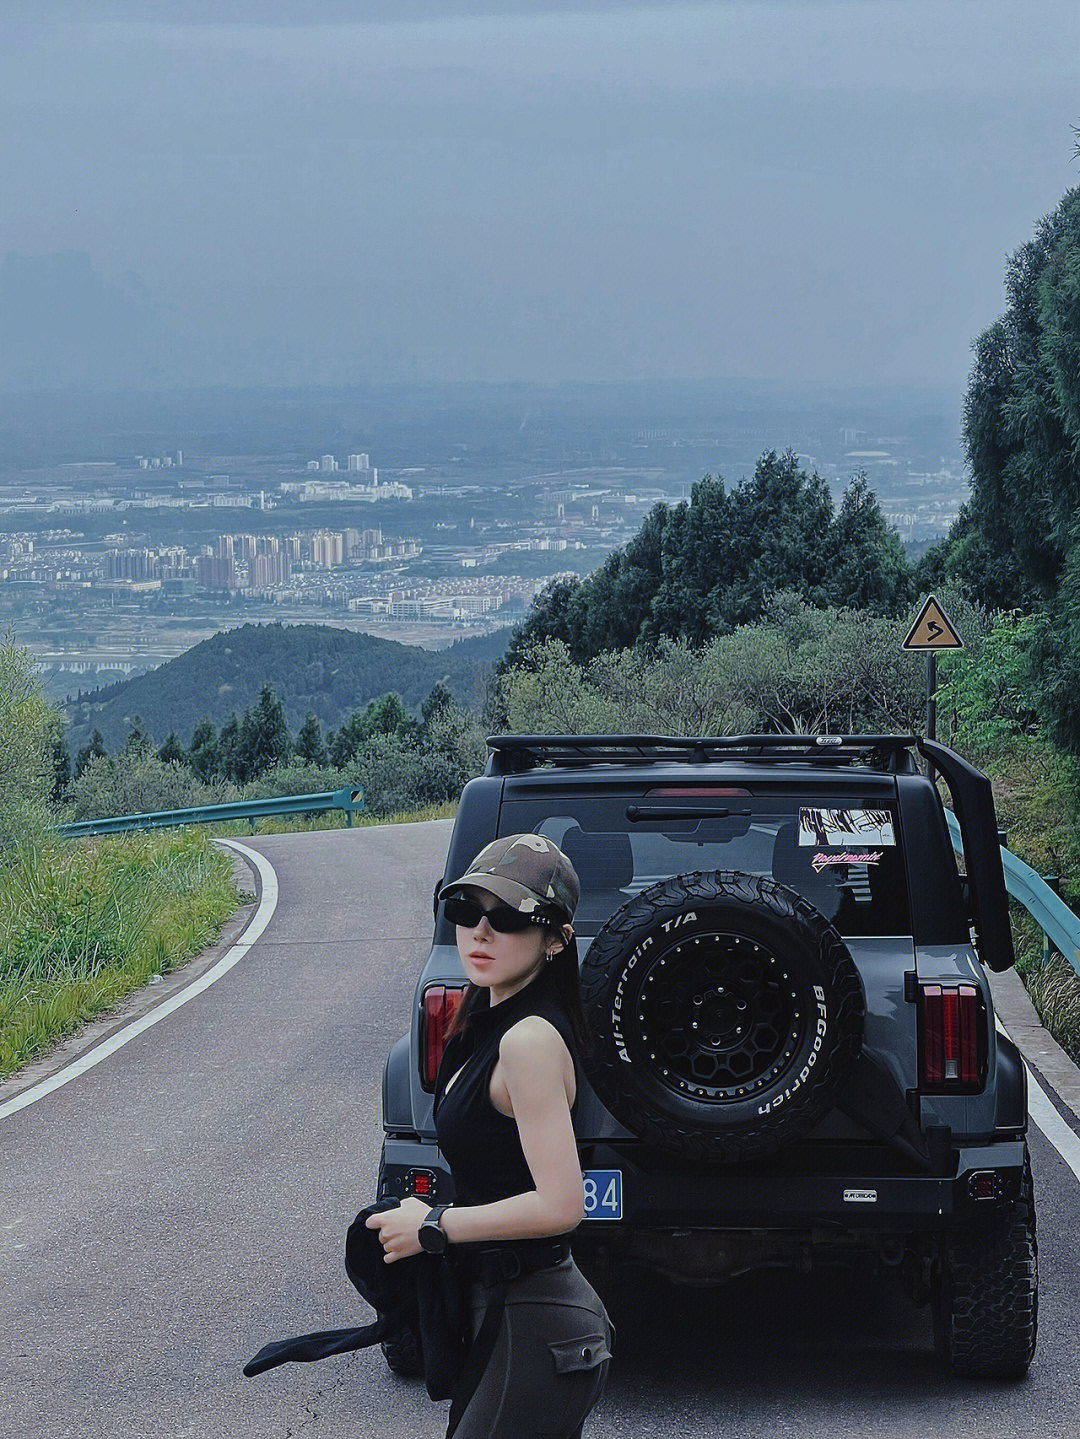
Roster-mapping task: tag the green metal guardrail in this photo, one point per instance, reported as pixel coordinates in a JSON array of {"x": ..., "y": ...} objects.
[
  {"x": 1060, "y": 926},
  {"x": 349, "y": 801}
]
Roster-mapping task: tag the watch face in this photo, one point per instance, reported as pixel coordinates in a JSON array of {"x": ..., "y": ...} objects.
[{"x": 432, "y": 1238}]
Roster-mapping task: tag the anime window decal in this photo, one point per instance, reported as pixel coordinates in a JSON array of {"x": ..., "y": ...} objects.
[{"x": 820, "y": 827}]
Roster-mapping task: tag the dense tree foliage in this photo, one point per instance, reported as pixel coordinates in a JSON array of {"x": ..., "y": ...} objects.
[
  {"x": 1022, "y": 425},
  {"x": 701, "y": 568},
  {"x": 1016, "y": 544},
  {"x": 313, "y": 669}
]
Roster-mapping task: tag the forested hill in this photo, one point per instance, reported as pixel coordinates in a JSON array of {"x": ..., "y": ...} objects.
[{"x": 316, "y": 668}]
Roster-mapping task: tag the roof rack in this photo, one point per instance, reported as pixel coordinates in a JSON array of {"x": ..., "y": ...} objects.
[{"x": 515, "y": 753}]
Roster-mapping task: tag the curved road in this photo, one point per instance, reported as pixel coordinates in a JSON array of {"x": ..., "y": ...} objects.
[{"x": 186, "y": 1200}]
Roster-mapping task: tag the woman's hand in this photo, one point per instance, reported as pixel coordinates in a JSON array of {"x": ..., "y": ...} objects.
[{"x": 399, "y": 1229}]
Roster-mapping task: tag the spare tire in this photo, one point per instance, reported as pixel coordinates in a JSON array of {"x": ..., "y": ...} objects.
[{"x": 726, "y": 1012}]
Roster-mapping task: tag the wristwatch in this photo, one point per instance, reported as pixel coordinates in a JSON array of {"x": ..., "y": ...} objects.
[{"x": 433, "y": 1237}]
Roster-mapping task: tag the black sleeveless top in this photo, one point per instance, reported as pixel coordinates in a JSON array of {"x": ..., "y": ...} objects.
[{"x": 481, "y": 1144}]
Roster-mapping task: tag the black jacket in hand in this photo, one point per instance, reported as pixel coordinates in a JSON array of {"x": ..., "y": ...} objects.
[{"x": 421, "y": 1295}]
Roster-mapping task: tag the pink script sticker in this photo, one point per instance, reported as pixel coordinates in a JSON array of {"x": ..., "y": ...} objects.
[{"x": 847, "y": 857}]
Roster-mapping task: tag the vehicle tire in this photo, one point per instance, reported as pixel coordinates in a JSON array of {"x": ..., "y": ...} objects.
[
  {"x": 400, "y": 1354},
  {"x": 986, "y": 1292},
  {"x": 745, "y": 1013}
]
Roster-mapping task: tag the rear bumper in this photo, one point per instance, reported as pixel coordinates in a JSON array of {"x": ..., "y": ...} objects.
[{"x": 745, "y": 1198}]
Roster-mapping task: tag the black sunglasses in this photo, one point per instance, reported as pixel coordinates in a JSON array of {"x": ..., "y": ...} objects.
[{"x": 502, "y": 918}]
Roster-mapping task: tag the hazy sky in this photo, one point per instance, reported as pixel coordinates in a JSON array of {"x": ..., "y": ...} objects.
[{"x": 797, "y": 189}]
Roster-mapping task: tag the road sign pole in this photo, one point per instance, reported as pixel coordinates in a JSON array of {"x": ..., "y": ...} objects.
[
  {"x": 932, "y": 631},
  {"x": 931, "y": 704}
]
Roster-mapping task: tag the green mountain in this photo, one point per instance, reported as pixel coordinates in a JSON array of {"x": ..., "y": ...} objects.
[{"x": 311, "y": 667}]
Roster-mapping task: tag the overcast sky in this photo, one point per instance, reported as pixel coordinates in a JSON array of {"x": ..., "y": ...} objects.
[{"x": 791, "y": 189}]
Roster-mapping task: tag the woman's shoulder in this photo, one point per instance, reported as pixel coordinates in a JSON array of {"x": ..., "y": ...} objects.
[
  {"x": 531, "y": 1034},
  {"x": 532, "y": 1053}
]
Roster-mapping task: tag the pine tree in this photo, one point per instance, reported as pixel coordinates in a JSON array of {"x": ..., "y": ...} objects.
[
  {"x": 309, "y": 742},
  {"x": 229, "y": 762},
  {"x": 202, "y": 755},
  {"x": 264, "y": 735},
  {"x": 61, "y": 764},
  {"x": 172, "y": 751},
  {"x": 346, "y": 743},
  {"x": 439, "y": 699},
  {"x": 94, "y": 750},
  {"x": 138, "y": 741}
]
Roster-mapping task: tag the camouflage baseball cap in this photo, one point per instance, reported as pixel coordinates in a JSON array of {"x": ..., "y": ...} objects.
[{"x": 525, "y": 870}]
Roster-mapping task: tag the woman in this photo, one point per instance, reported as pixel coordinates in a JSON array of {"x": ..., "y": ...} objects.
[{"x": 504, "y": 1101}]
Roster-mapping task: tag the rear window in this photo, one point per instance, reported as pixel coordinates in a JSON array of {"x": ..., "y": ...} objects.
[{"x": 844, "y": 855}]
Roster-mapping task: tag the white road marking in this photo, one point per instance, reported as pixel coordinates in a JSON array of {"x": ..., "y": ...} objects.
[
  {"x": 1049, "y": 1121},
  {"x": 264, "y": 913}
]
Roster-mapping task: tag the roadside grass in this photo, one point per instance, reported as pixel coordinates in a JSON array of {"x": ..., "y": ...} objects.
[
  {"x": 84, "y": 923},
  {"x": 1052, "y": 983}
]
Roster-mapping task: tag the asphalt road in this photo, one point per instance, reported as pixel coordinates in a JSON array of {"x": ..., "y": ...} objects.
[{"x": 184, "y": 1201}]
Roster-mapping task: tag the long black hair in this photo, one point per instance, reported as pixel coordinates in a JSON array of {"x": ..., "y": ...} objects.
[{"x": 562, "y": 971}]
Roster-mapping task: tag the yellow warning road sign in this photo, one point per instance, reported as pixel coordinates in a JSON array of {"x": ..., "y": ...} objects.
[{"x": 933, "y": 630}]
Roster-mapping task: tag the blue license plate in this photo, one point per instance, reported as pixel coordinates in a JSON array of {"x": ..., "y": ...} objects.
[{"x": 603, "y": 1193}]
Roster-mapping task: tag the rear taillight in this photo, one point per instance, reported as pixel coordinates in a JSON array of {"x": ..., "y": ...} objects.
[
  {"x": 953, "y": 1025},
  {"x": 438, "y": 1007}
]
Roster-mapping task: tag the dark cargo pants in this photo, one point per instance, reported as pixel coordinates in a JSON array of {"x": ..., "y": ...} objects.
[{"x": 550, "y": 1362}]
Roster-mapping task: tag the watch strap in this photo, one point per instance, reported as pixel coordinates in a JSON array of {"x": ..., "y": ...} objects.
[{"x": 432, "y": 1218}]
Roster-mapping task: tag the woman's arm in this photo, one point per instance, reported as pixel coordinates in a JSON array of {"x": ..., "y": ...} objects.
[{"x": 533, "y": 1055}]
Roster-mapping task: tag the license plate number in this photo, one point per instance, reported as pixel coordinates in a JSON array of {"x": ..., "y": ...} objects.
[{"x": 603, "y": 1193}]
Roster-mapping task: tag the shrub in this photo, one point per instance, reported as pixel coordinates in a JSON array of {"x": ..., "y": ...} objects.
[
  {"x": 295, "y": 777},
  {"x": 138, "y": 782}
]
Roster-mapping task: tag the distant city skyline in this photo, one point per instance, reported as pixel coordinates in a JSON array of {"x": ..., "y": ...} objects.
[{"x": 328, "y": 193}]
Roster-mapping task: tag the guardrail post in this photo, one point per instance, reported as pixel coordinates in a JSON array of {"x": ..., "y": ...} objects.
[{"x": 348, "y": 801}]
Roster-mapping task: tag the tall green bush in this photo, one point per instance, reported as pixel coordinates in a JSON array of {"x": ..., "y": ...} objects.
[
  {"x": 800, "y": 669},
  {"x": 28, "y": 727}
]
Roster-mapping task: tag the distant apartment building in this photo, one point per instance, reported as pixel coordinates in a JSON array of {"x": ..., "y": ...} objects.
[
  {"x": 328, "y": 464},
  {"x": 359, "y": 462},
  {"x": 267, "y": 570},
  {"x": 327, "y": 549},
  {"x": 130, "y": 565},
  {"x": 173, "y": 562},
  {"x": 216, "y": 572}
]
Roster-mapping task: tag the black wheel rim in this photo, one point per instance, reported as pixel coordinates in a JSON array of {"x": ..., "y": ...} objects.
[{"x": 719, "y": 1017}]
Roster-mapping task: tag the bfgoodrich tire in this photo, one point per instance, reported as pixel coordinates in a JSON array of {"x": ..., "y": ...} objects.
[
  {"x": 986, "y": 1292},
  {"x": 726, "y": 1013}
]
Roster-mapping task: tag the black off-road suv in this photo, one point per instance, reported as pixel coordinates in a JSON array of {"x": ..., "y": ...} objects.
[{"x": 796, "y": 1059}]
